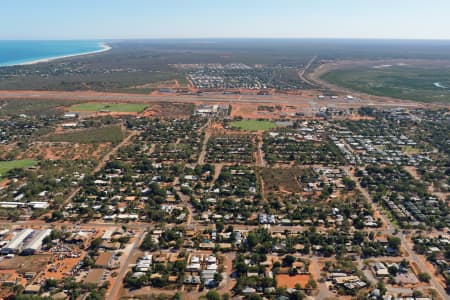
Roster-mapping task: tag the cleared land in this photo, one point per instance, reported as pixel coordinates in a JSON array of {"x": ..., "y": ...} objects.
[
  {"x": 5, "y": 166},
  {"x": 22, "y": 264},
  {"x": 284, "y": 280},
  {"x": 280, "y": 179},
  {"x": 424, "y": 83},
  {"x": 110, "y": 107},
  {"x": 112, "y": 134},
  {"x": 253, "y": 125}
]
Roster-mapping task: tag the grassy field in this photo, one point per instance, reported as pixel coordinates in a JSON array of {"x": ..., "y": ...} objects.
[
  {"x": 5, "y": 166},
  {"x": 253, "y": 125},
  {"x": 32, "y": 107},
  {"x": 113, "y": 134},
  {"x": 112, "y": 107},
  {"x": 415, "y": 83}
]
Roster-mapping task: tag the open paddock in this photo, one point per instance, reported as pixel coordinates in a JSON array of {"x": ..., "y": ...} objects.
[
  {"x": 113, "y": 134},
  {"x": 23, "y": 264}
]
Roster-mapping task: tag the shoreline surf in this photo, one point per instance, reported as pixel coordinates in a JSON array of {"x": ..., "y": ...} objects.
[
  {"x": 439, "y": 85},
  {"x": 104, "y": 48}
]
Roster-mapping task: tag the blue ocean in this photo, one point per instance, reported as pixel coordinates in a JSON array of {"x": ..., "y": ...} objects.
[{"x": 21, "y": 52}]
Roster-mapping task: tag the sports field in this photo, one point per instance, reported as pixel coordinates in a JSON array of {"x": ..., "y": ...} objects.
[
  {"x": 253, "y": 125},
  {"x": 110, "y": 107},
  {"x": 5, "y": 166}
]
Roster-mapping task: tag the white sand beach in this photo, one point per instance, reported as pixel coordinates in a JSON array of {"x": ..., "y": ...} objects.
[{"x": 105, "y": 47}]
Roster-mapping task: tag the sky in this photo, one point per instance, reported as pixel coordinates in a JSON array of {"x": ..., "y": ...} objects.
[{"x": 131, "y": 19}]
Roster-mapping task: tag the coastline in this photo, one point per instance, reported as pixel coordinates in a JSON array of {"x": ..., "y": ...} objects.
[{"x": 105, "y": 47}]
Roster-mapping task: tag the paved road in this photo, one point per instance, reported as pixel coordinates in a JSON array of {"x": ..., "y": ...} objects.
[
  {"x": 260, "y": 161},
  {"x": 100, "y": 165},
  {"x": 415, "y": 258},
  {"x": 202, "y": 155},
  {"x": 324, "y": 292},
  {"x": 186, "y": 201},
  {"x": 71, "y": 196},
  {"x": 228, "y": 283},
  {"x": 114, "y": 293},
  {"x": 301, "y": 73},
  {"x": 389, "y": 228},
  {"x": 108, "y": 155},
  {"x": 412, "y": 256}
]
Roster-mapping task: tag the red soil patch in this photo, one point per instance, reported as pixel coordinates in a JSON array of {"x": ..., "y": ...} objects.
[{"x": 284, "y": 280}]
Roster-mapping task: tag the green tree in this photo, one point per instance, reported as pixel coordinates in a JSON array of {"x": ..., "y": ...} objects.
[
  {"x": 394, "y": 243},
  {"x": 212, "y": 295},
  {"x": 288, "y": 260},
  {"x": 311, "y": 283},
  {"x": 424, "y": 277},
  {"x": 218, "y": 277},
  {"x": 381, "y": 287}
]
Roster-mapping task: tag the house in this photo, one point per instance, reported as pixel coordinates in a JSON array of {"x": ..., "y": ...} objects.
[
  {"x": 380, "y": 270},
  {"x": 211, "y": 259},
  {"x": 80, "y": 238},
  {"x": 138, "y": 275},
  {"x": 69, "y": 125},
  {"x": 208, "y": 274},
  {"x": 32, "y": 289},
  {"x": 110, "y": 245},
  {"x": 191, "y": 177},
  {"x": 225, "y": 246},
  {"x": 144, "y": 263},
  {"x": 207, "y": 246},
  {"x": 193, "y": 267},
  {"x": 70, "y": 115},
  {"x": 192, "y": 280},
  {"x": 433, "y": 250},
  {"x": 248, "y": 290}
]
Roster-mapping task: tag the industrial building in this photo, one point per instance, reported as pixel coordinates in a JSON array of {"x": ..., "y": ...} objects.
[
  {"x": 15, "y": 245},
  {"x": 34, "y": 244}
]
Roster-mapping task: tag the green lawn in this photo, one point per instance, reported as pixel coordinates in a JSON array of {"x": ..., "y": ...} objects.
[
  {"x": 5, "y": 166},
  {"x": 112, "y": 107},
  {"x": 253, "y": 125}
]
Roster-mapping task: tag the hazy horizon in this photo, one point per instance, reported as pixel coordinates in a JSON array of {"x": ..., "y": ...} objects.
[
  {"x": 202, "y": 19},
  {"x": 233, "y": 38}
]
